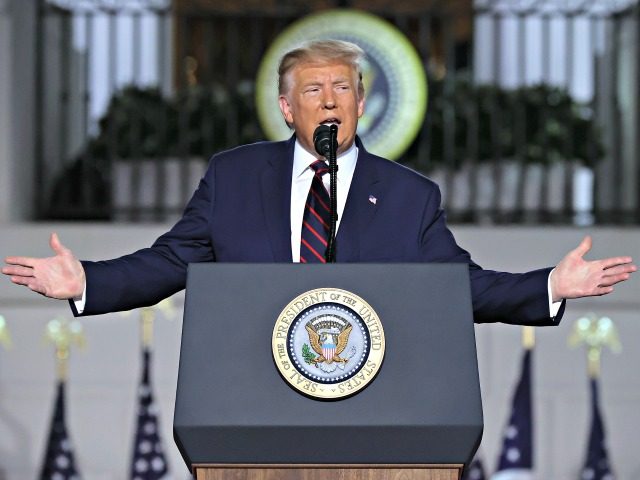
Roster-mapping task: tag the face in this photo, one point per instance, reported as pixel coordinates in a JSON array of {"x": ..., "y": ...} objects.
[{"x": 322, "y": 93}]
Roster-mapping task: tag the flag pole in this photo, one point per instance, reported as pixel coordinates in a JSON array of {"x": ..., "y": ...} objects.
[
  {"x": 528, "y": 338},
  {"x": 147, "y": 316},
  {"x": 63, "y": 334},
  {"x": 595, "y": 333},
  {"x": 148, "y": 463},
  {"x": 5, "y": 338},
  {"x": 59, "y": 459}
]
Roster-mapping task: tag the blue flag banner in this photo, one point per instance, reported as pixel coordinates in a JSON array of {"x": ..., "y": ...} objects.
[
  {"x": 148, "y": 459},
  {"x": 475, "y": 470},
  {"x": 516, "y": 456},
  {"x": 59, "y": 463},
  {"x": 596, "y": 466}
]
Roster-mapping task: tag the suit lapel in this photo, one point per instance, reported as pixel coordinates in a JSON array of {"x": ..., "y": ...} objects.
[
  {"x": 276, "y": 199},
  {"x": 360, "y": 209}
]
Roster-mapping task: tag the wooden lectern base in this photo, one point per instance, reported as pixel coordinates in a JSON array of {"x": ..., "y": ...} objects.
[{"x": 327, "y": 472}]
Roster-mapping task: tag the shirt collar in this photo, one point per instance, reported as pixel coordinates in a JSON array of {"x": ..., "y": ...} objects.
[{"x": 302, "y": 159}]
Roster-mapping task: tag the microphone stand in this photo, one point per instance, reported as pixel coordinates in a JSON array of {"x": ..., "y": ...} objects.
[{"x": 330, "y": 256}]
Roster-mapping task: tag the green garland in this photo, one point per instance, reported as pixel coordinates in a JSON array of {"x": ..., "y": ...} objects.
[{"x": 307, "y": 354}]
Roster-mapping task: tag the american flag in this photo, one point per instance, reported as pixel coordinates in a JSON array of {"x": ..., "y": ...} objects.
[
  {"x": 58, "y": 462},
  {"x": 148, "y": 460},
  {"x": 596, "y": 466},
  {"x": 516, "y": 457},
  {"x": 475, "y": 470}
]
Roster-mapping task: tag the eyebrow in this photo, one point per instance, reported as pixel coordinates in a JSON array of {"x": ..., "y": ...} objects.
[{"x": 314, "y": 83}]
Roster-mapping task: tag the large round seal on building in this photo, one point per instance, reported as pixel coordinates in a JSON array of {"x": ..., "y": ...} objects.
[
  {"x": 393, "y": 75},
  {"x": 328, "y": 343}
]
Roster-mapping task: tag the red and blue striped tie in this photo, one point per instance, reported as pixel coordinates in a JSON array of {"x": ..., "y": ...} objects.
[{"x": 315, "y": 222}]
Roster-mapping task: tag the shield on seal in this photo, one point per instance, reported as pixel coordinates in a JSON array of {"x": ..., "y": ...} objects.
[{"x": 328, "y": 348}]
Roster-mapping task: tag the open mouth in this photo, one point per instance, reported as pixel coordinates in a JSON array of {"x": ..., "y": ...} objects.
[{"x": 331, "y": 121}]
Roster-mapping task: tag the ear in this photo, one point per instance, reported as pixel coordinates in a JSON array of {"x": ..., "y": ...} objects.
[
  {"x": 285, "y": 108},
  {"x": 360, "y": 106}
]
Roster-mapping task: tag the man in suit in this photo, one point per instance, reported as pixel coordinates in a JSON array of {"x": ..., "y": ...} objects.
[{"x": 253, "y": 205}]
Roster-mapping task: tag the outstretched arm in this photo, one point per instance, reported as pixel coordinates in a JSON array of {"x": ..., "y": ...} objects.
[
  {"x": 575, "y": 277},
  {"x": 61, "y": 276}
]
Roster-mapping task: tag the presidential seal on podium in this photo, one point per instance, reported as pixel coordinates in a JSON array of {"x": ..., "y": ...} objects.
[{"x": 328, "y": 343}]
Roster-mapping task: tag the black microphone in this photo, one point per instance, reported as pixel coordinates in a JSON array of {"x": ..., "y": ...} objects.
[
  {"x": 325, "y": 141},
  {"x": 322, "y": 140}
]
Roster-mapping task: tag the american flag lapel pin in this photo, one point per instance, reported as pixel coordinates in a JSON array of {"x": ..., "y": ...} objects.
[{"x": 373, "y": 199}]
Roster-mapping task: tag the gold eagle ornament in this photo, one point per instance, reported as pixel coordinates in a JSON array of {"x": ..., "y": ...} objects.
[{"x": 325, "y": 345}]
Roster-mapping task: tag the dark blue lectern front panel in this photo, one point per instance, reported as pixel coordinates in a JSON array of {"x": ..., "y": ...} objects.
[{"x": 232, "y": 406}]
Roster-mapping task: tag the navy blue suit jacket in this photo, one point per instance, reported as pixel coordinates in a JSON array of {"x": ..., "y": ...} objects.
[{"x": 240, "y": 212}]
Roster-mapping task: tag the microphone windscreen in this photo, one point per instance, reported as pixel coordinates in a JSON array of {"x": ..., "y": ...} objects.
[{"x": 322, "y": 139}]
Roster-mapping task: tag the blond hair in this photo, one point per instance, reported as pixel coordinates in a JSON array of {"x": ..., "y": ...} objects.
[{"x": 321, "y": 52}]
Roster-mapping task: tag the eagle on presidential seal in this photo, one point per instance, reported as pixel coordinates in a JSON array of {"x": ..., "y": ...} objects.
[{"x": 329, "y": 336}]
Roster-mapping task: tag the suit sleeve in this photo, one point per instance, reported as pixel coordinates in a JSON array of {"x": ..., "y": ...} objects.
[
  {"x": 147, "y": 276},
  {"x": 513, "y": 298}
]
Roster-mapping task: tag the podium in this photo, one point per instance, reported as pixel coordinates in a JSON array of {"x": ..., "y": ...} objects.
[{"x": 238, "y": 417}]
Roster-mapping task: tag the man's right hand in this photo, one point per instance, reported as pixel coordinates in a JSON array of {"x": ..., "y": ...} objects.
[{"x": 60, "y": 276}]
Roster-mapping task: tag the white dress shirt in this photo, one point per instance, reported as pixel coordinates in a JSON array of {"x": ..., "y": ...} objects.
[{"x": 301, "y": 178}]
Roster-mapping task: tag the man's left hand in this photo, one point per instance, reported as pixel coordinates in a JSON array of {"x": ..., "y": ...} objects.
[{"x": 575, "y": 277}]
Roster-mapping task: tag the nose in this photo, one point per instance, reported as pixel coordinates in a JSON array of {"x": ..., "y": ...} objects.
[{"x": 329, "y": 100}]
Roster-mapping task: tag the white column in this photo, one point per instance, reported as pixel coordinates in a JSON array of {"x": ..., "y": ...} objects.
[
  {"x": 5, "y": 111},
  {"x": 17, "y": 101}
]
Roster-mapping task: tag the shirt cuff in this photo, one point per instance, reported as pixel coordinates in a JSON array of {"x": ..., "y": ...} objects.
[
  {"x": 79, "y": 302},
  {"x": 554, "y": 307}
]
